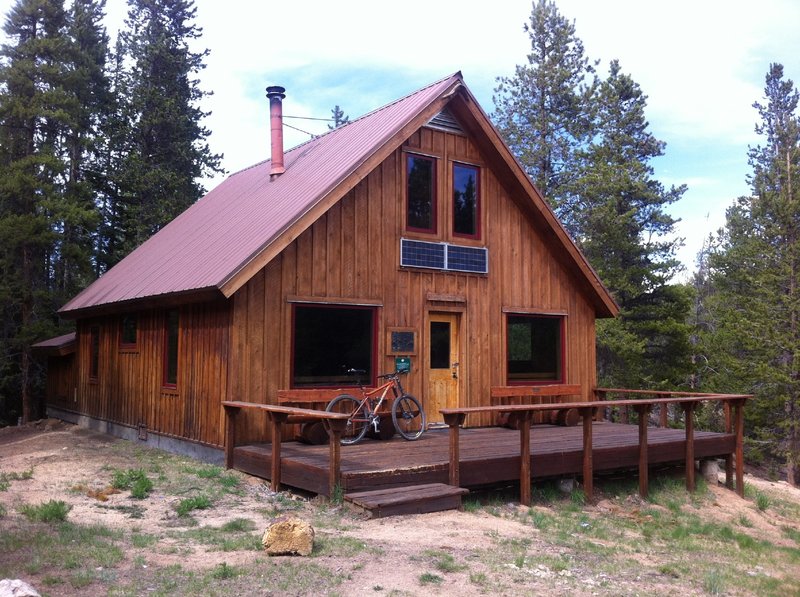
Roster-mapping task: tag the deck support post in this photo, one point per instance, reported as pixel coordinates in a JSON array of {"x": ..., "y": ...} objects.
[
  {"x": 454, "y": 422},
  {"x": 335, "y": 428},
  {"x": 525, "y": 457},
  {"x": 663, "y": 413},
  {"x": 276, "y": 420},
  {"x": 688, "y": 409},
  {"x": 738, "y": 422},
  {"x": 588, "y": 467},
  {"x": 230, "y": 433},
  {"x": 644, "y": 413},
  {"x": 729, "y": 458}
]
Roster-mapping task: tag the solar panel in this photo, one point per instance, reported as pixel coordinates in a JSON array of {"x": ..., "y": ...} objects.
[
  {"x": 444, "y": 256},
  {"x": 417, "y": 253},
  {"x": 467, "y": 259}
]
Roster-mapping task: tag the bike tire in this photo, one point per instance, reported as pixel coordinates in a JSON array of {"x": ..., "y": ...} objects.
[
  {"x": 408, "y": 417},
  {"x": 357, "y": 424}
]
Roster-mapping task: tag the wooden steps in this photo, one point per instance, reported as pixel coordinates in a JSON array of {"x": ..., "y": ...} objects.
[{"x": 414, "y": 499}]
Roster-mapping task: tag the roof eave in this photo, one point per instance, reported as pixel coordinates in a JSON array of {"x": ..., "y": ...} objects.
[{"x": 160, "y": 301}]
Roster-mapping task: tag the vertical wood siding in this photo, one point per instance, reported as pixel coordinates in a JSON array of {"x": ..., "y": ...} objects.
[{"x": 352, "y": 252}]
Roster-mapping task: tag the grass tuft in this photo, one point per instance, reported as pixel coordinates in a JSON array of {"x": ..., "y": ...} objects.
[
  {"x": 136, "y": 480},
  {"x": 198, "y": 502},
  {"x": 428, "y": 578},
  {"x": 52, "y": 511}
]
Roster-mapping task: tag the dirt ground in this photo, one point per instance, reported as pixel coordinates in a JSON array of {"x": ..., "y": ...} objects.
[{"x": 67, "y": 462}]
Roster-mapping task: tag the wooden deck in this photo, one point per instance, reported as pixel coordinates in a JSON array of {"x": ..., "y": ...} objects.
[{"x": 488, "y": 456}]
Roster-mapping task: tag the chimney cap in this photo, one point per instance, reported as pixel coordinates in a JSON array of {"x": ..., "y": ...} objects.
[{"x": 276, "y": 91}]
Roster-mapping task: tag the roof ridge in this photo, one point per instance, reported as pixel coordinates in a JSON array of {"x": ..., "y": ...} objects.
[{"x": 359, "y": 118}]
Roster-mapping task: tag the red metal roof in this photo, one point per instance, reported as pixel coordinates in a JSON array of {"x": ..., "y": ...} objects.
[
  {"x": 217, "y": 236},
  {"x": 59, "y": 345}
]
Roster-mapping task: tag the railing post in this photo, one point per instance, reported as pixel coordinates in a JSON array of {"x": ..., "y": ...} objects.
[
  {"x": 230, "y": 433},
  {"x": 335, "y": 428},
  {"x": 588, "y": 468},
  {"x": 276, "y": 419},
  {"x": 454, "y": 422},
  {"x": 726, "y": 406},
  {"x": 663, "y": 412},
  {"x": 525, "y": 457},
  {"x": 738, "y": 417},
  {"x": 688, "y": 409},
  {"x": 644, "y": 413}
]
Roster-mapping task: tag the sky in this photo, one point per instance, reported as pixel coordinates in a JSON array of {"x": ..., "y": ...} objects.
[{"x": 701, "y": 63}]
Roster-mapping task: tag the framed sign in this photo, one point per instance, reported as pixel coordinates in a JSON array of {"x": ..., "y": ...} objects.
[{"x": 402, "y": 341}]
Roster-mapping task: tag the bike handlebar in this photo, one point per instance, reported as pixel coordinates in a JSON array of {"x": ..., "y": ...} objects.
[{"x": 352, "y": 371}]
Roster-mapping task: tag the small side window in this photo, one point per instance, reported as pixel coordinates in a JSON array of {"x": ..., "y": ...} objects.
[
  {"x": 171, "y": 334},
  {"x": 535, "y": 349},
  {"x": 466, "y": 201},
  {"x": 94, "y": 352},
  {"x": 129, "y": 329}
]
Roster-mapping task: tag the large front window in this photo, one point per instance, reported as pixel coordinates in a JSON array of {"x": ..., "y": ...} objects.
[
  {"x": 420, "y": 193},
  {"x": 328, "y": 340},
  {"x": 535, "y": 349}
]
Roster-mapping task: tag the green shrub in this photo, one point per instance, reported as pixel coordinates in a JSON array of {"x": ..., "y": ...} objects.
[
  {"x": 52, "y": 511},
  {"x": 136, "y": 480}
]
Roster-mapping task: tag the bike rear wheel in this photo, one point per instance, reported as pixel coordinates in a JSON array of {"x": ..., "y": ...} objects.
[
  {"x": 408, "y": 417},
  {"x": 358, "y": 422}
]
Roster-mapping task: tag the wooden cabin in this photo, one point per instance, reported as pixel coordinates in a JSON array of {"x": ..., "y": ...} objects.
[{"x": 410, "y": 233}]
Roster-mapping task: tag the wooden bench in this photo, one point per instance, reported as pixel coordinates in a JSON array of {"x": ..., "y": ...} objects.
[
  {"x": 334, "y": 423},
  {"x": 546, "y": 394},
  {"x": 455, "y": 417},
  {"x": 311, "y": 431}
]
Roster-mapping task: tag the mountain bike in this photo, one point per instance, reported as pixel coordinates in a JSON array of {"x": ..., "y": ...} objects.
[{"x": 408, "y": 417}]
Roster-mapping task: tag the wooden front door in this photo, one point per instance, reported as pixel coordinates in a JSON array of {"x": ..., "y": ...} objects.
[{"x": 443, "y": 364}]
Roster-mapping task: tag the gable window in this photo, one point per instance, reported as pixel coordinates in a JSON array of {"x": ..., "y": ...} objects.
[
  {"x": 171, "y": 329},
  {"x": 128, "y": 331},
  {"x": 94, "y": 352},
  {"x": 329, "y": 339},
  {"x": 421, "y": 193},
  {"x": 466, "y": 201},
  {"x": 535, "y": 349}
]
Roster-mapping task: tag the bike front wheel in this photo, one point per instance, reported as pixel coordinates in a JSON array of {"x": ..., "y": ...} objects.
[
  {"x": 408, "y": 417},
  {"x": 358, "y": 422}
]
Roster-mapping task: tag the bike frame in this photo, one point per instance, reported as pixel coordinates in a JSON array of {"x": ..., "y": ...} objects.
[{"x": 369, "y": 397}]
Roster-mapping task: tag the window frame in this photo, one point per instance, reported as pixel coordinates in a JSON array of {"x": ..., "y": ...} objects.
[
  {"x": 561, "y": 350},
  {"x": 94, "y": 353},
  {"x": 477, "y": 234},
  {"x": 434, "y": 161},
  {"x": 373, "y": 357},
  {"x": 129, "y": 346},
  {"x": 165, "y": 381}
]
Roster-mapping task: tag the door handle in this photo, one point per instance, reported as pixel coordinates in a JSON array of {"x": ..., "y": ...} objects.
[{"x": 454, "y": 366}]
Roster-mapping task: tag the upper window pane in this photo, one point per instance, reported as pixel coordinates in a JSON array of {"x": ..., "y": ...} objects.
[
  {"x": 94, "y": 352},
  {"x": 421, "y": 197},
  {"x": 466, "y": 201},
  {"x": 328, "y": 340},
  {"x": 534, "y": 349}
]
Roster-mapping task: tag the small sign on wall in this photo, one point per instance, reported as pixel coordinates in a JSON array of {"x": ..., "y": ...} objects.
[
  {"x": 402, "y": 341},
  {"x": 402, "y": 364}
]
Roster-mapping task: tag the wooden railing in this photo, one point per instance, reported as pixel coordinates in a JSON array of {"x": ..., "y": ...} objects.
[
  {"x": 455, "y": 417},
  {"x": 335, "y": 424}
]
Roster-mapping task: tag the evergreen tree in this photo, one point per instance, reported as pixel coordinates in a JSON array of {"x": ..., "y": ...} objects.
[
  {"x": 338, "y": 117},
  {"x": 754, "y": 273},
  {"x": 543, "y": 111},
  {"x": 168, "y": 151},
  {"x": 34, "y": 112},
  {"x": 628, "y": 238}
]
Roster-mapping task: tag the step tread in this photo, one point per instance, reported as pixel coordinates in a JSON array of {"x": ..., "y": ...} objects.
[{"x": 403, "y": 495}]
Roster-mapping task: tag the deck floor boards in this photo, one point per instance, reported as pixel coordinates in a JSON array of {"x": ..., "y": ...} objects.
[{"x": 487, "y": 455}]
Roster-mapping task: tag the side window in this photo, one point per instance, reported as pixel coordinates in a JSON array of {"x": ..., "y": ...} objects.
[
  {"x": 420, "y": 193},
  {"x": 535, "y": 349},
  {"x": 327, "y": 339},
  {"x": 171, "y": 334},
  {"x": 466, "y": 201},
  {"x": 129, "y": 327},
  {"x": 94, "y": 352}
]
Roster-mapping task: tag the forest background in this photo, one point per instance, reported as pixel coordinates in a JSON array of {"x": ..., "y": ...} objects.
[{"x": 102, "y": 144}]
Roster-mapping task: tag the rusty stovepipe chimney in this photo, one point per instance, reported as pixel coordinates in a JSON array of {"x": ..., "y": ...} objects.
[{"x": 276, "y": 94}]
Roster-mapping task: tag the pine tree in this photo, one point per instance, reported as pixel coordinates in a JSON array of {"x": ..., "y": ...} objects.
[
  {"x": 168, "y": 151},
  {"x": 33, "y": 117},
  {"x": 628, "y": 237},
  {"x": 754, "y": 272},
  {"x": 339, "y": 118},
  {"x": 544, "y": 112}
]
